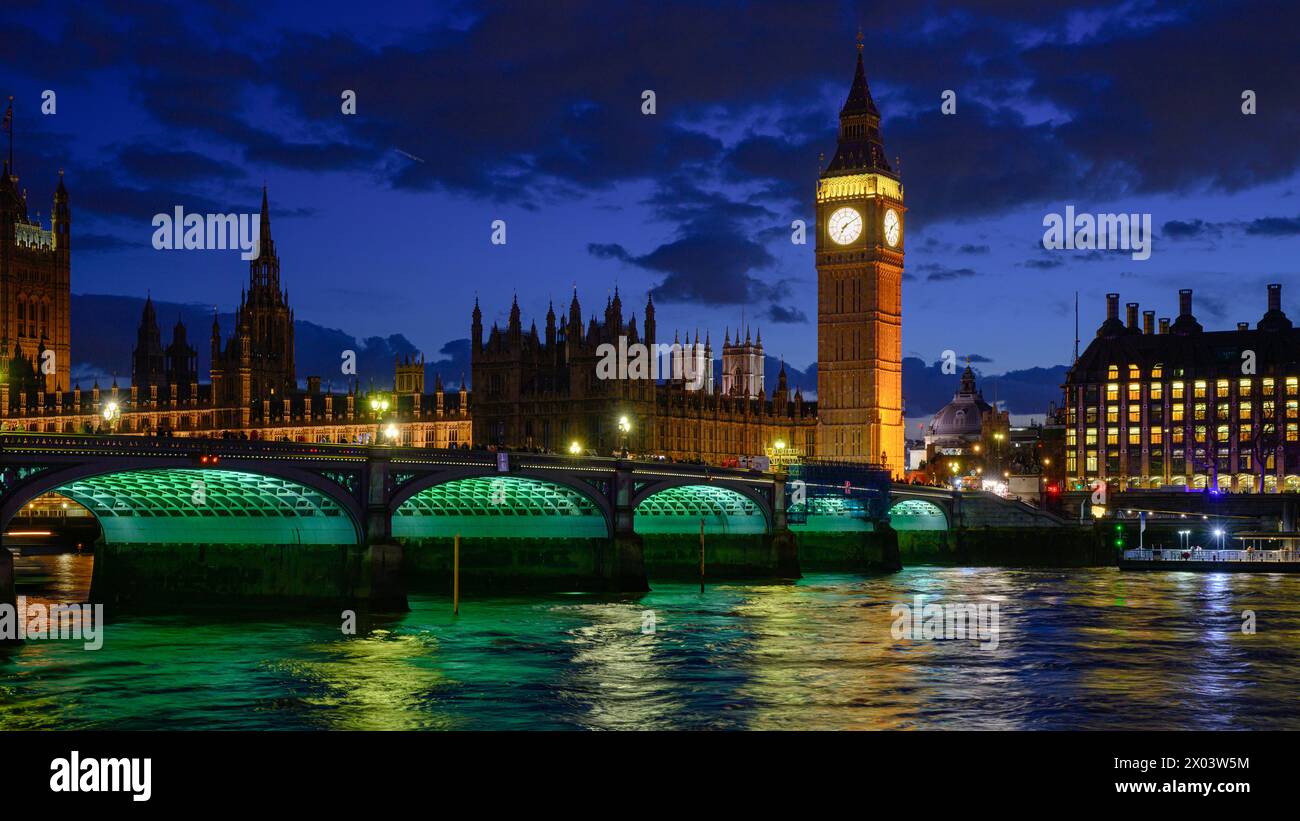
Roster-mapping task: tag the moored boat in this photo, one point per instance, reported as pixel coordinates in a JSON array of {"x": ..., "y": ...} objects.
[{"x": 1260, "y": 552}]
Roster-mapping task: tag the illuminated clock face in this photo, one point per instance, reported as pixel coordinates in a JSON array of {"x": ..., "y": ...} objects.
[
  {"x": 845, "y": 225},
  {"x": 893, "y": 229}
]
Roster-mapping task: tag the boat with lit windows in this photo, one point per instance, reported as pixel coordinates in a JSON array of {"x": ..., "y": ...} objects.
[{"x": 1260, "y": 552}]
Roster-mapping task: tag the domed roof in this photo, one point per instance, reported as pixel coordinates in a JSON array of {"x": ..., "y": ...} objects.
[{"x": 964, "y": 415}]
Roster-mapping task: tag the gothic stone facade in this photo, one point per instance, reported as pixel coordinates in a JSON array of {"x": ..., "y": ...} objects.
[
  {"x": 546, "y": 391},
  {"x": 35, "y": 289},
  {"x": 253, "y": 390}
]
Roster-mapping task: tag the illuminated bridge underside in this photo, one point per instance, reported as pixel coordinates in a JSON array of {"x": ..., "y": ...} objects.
[
  {"x": 501, "y": 507},
  {"x": 680, "y": 509},
  {"x": 833, "y": 514},
  {"x": 917, "y": 514},
  {"x": 193, "y": 506}
]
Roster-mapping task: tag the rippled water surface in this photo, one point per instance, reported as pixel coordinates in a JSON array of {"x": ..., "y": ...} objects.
[{"x": 1078, "y": 649}]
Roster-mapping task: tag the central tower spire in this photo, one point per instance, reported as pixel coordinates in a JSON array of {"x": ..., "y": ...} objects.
[
  {"x": 860, "y": 148},
  {"x": 860, "y": 237}
]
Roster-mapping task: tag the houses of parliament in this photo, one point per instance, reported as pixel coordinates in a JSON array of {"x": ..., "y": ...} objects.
[{"x": 531, "y": 389}]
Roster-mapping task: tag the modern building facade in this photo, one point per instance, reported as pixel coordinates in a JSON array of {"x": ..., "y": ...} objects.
[{"x": 1153, "y": 405}]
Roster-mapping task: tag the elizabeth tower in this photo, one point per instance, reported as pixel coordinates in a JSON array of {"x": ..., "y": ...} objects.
[{"x": 860, "y": 232}]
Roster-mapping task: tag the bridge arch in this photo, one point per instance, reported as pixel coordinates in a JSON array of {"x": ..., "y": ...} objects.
[
  {"x": 502, "y": 506},
  {"x": 201, "y": 505},
  {"x": 679, "y": 507},
  {"x": 917, "y": 514}
]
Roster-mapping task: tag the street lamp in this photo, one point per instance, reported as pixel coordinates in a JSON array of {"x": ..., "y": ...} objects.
[
  {"x": 575, "y": 448},
  {"x": 112, "y": 412},
  {"x": 624, "y": 427},
  {"x": 378, "y": 407},
  {"x": 391, "y": 433}
]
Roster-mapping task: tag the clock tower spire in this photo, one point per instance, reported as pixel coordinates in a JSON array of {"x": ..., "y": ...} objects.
[{"x": 859, "y": 291}]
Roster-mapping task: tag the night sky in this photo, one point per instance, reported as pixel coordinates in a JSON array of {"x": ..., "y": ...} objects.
[{"x": 531, "y": 113}]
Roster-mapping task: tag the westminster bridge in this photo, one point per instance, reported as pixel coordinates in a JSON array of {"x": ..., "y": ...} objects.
[{"x": 185, "y": 520}]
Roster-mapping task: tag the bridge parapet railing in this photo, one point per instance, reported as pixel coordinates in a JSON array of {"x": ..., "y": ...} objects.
[
  {"x": 142, "y": 445},
  {"x": 191, "y": 445}
]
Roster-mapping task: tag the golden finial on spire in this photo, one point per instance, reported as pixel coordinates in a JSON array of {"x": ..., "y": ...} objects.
[{"x": 859, "y": 39}]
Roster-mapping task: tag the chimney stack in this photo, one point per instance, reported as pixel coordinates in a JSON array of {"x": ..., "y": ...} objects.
[
  {"x": 1148, "y": 322},
  {"x": 1185, "y": 302},
  {"x": 1243, "y": 326},
  {"x": 1132, "y": 316},
  {"x": 1112, "y": 306},
  {"x": 1275, "y": 296},
  {"x": 1164, "y": 324}
]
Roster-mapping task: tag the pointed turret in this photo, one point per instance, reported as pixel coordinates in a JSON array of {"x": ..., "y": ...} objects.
[{"x": 860, "y": 148}]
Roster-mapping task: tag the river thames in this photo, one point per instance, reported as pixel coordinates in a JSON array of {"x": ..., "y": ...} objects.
[{"x": 1078, "y": 649}]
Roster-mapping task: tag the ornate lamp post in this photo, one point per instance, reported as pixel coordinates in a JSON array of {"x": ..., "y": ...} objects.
[
  {"x": 624, "y": 428},
  {"x": 378, "y": 407},
  {"x": 112, "y": 413}
]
